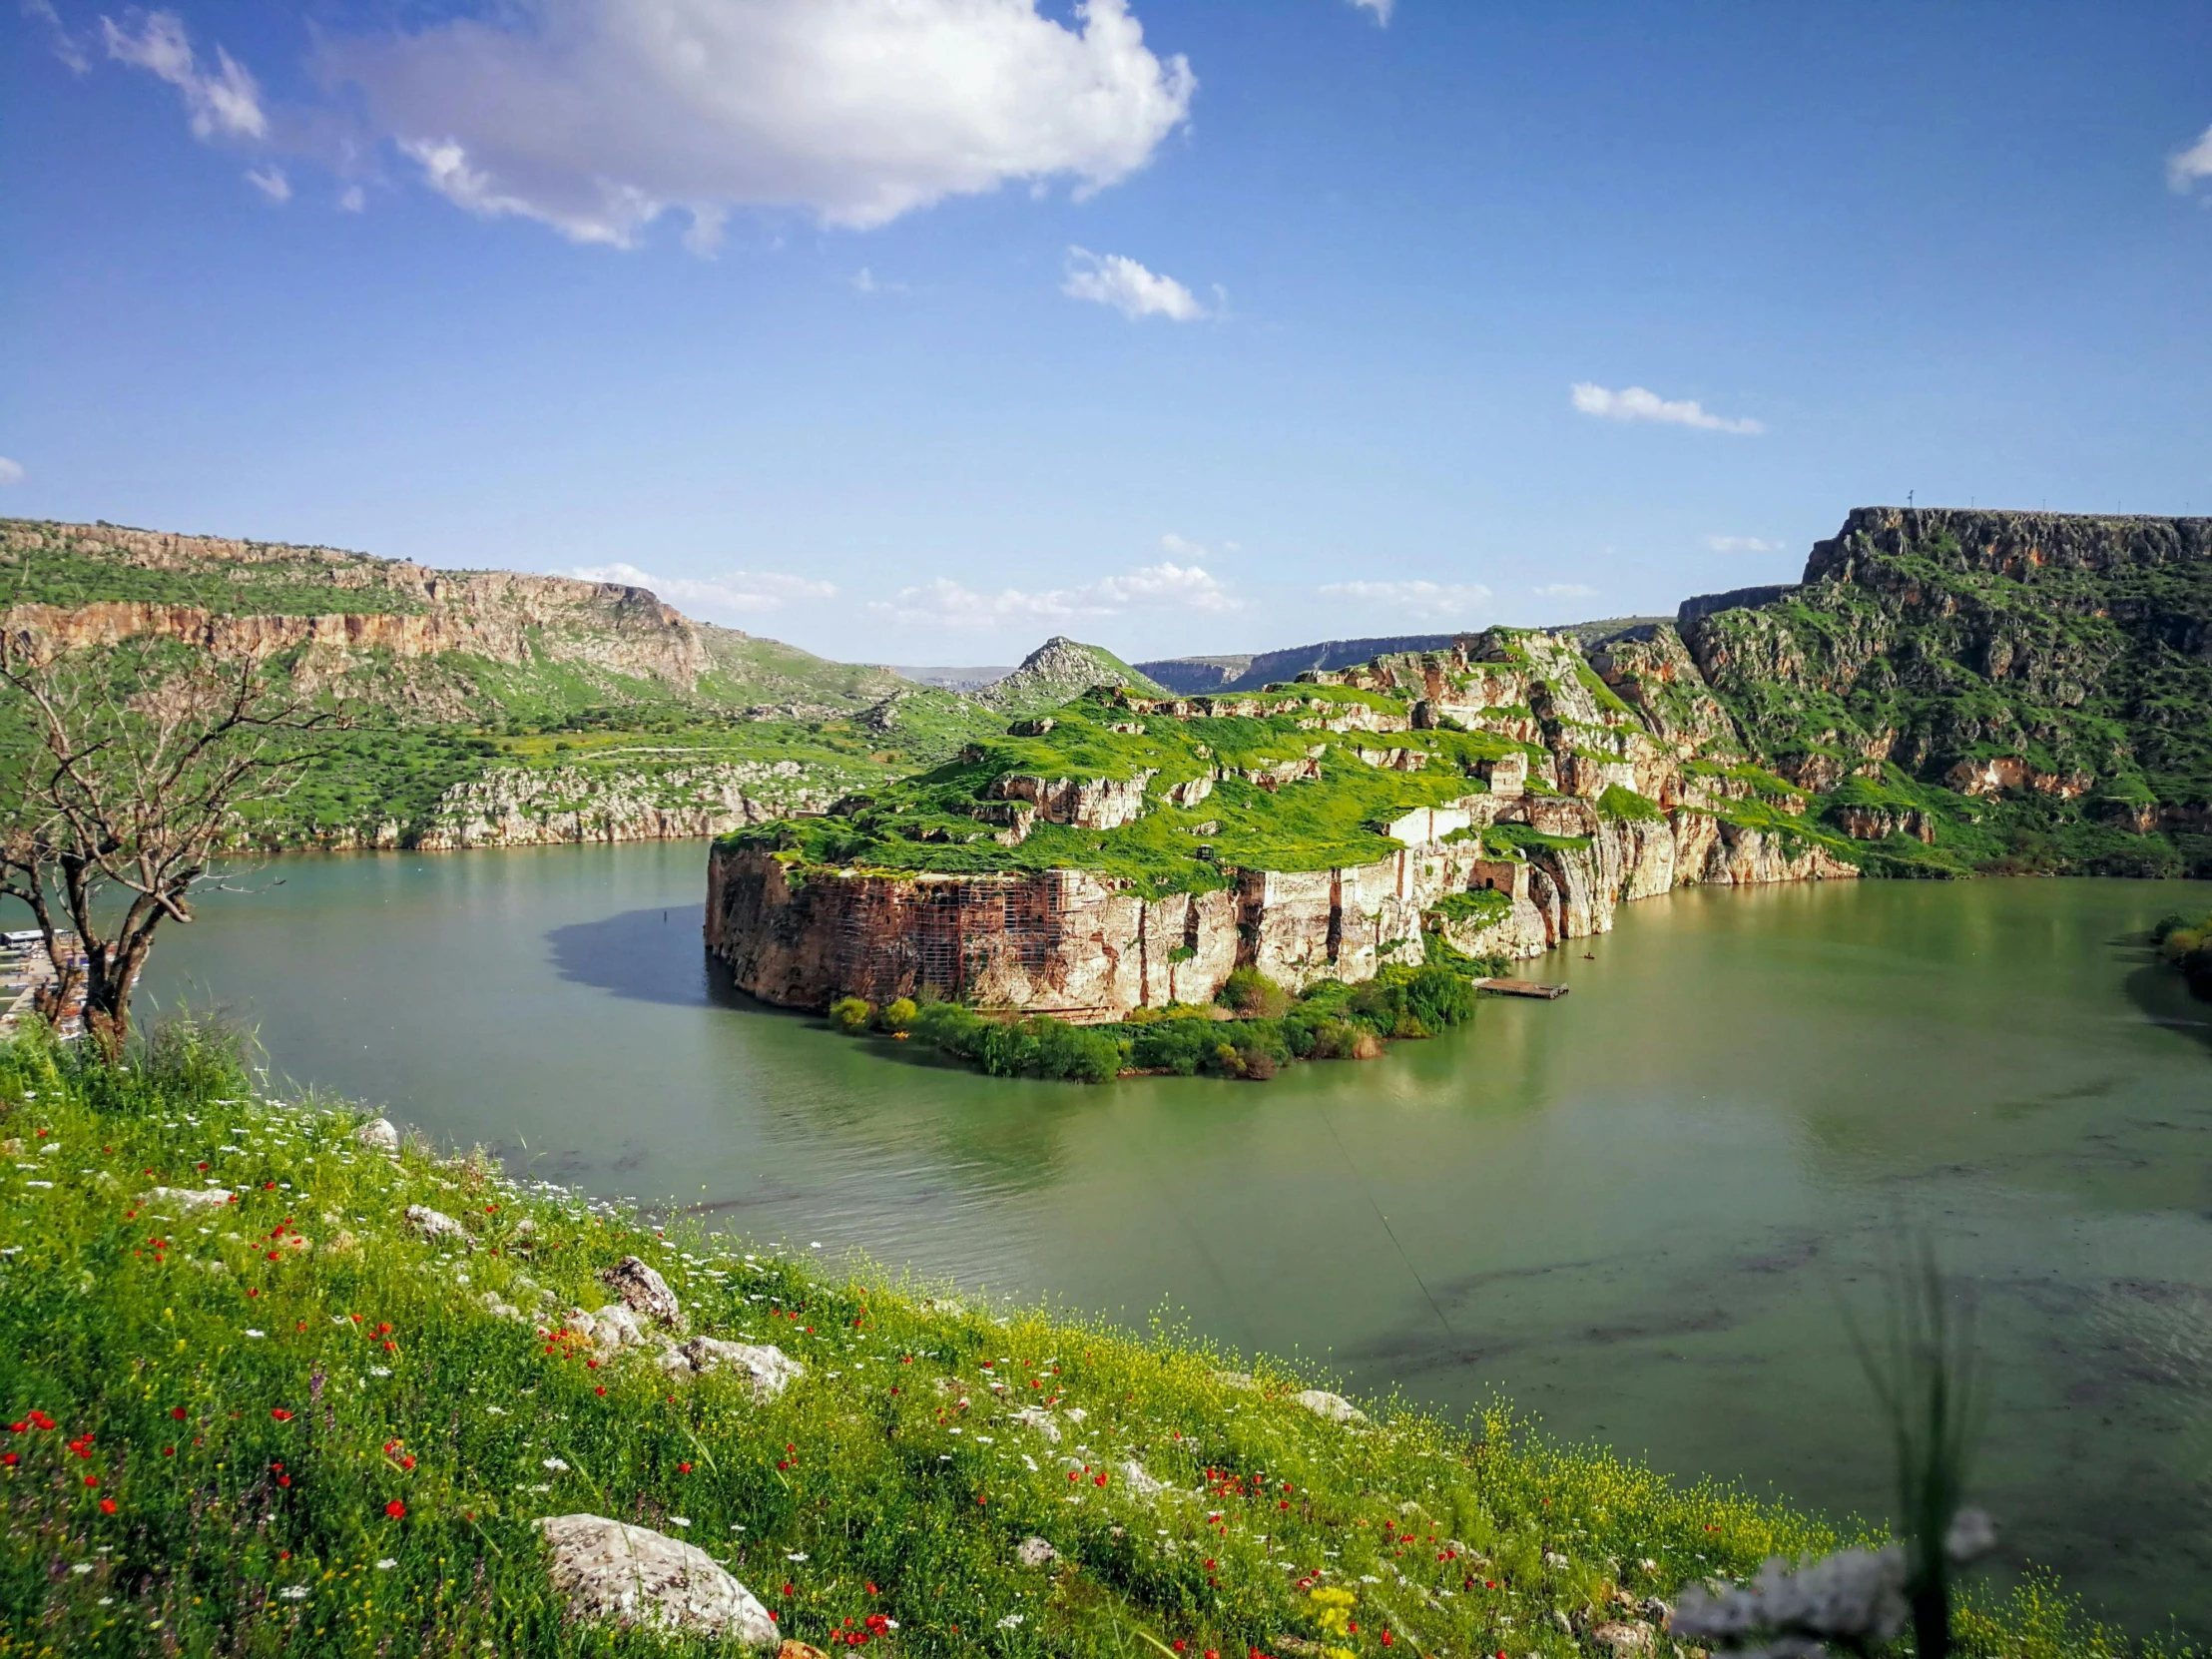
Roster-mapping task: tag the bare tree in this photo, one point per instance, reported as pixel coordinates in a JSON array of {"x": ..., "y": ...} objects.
[{"x": 124, "y": 783}]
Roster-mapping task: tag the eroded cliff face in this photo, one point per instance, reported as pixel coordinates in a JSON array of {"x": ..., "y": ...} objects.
[
  {"x": 1617, "y": 790},
  {"x": 276, "y": 597},
  {"x": 2045, "y": 656},
  {"x": 556, "y": 805}
]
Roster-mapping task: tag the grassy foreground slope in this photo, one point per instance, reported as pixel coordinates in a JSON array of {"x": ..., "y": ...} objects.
[{"x": 289, "y": 1423}]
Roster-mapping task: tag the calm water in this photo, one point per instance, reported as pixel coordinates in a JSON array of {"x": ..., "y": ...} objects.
[{"x": 1632, "y": 1211}]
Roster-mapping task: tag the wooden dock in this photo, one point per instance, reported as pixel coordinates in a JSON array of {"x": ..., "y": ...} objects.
[{"x": 1521, "y": 987}]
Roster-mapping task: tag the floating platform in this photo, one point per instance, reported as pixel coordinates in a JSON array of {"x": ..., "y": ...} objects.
[{"x": 1521, "y": 987}]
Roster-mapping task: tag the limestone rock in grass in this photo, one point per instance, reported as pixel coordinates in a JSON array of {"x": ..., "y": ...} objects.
[
  {"x": 615, "y": 1326},
  {"x": 498, "y": 1309},
  {"x": 1657, "y": 1611},
  {"x": 772, "y": 1370},
  {"x": 1035, "y": 1552},
  {"x": 1623, "y": 1640},
  {"x": 1323, "y": 1404},
  {"x": 633, "y": 1576},
  {"x": 434, "y": 1225},
  {"x": 1037, "y": 1417},
  {"x": 644, "y": 1289},
  {"x": 1141, "y": 1483},
  {"x": 1554, "y": 1560},
  {"x": 378, "y": 1135},
  {"x": 190, "y": 1199}
]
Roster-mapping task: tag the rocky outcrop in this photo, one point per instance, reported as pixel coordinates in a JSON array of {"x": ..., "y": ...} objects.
[
  {"x": 413, "y": 612},
  {"x": 546, "y": 805},
  {"x": 1551, "y": 842}
]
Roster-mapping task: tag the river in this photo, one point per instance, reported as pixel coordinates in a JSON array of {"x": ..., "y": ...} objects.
[{"x": 1634, "y": 1213}]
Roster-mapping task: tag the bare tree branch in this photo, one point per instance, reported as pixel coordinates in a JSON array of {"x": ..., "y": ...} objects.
[{"x": 126, "y": 772}]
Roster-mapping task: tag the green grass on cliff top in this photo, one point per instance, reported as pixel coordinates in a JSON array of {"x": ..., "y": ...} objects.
[
  {"x": 928, "y": 822},
  {"x": 292, "y": 1425}
]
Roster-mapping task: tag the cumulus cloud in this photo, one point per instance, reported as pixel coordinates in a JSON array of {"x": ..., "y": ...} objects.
[
  {"x": 595, "y": 117},
  {"x": 1741, "y": 544},
  {"x": 271, "y": 181},
  {"x": 1638, "y": 404},
  {"x": 1442, "y": 601},
  {"x": 11, "y": 472},
  {"x": 2185, "y": 167},
  {"x": 945, "y": 603},
  {"x": 1564, "y": 590},
  {"x": 1381, "y": 8},
  {"x": 739, "y": 593},
  {"x": 1116, "y": 280},
  {"x": 223, "y": 102},
  {"x": 352, "y": 200}
]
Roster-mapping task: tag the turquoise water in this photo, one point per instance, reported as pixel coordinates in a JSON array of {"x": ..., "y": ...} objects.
[{"x": 1635, "y": 1211}]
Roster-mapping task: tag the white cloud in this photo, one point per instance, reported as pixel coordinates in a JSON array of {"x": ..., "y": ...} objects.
[
  {"x": 1564, "y": 590},
  {"x": 224, "y": 104},
  {"x": 1381, "y": 8},
  {"x": 2185, "y": 167},
  {"x": 11, "y": 472},
  {"x": 352, "y": 200},
  {"x": 1116, "y": 280},
  {"x": 739, "y": 593},
  {"x": 595, "y": 117},
  {"x": 1638, "y": 404},
  {"x": 66, "y": 45},
  {"x": 1439, "y": 601},
  {"x": 271, "y": 181},
  {"x": 866, "y": 282},
  {"x": 1741, "y": 544},
  {"x": 945, "y": 603}
]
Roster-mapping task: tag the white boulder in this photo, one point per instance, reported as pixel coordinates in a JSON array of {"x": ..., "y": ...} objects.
[{"x": 634, "y": 1576}]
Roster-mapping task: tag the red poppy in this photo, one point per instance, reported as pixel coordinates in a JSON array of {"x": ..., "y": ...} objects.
[
  {"x": 8, "y": 1459},
  {"x": 107, "y": 1506},
  {"x": 395, "y": 1509},
  {"x": 168, "y": 1451},
  {"x": 177, "y": 1411},
  {"x": 683, "y": 1468},
  {"x": 280, "y": 1414},
  {"x": 91, "y": 1480}
]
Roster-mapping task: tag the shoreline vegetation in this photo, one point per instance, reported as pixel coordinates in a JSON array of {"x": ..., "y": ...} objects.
[
  {"x": 1249, "y": 1032},
  {"x": 2185, "y": 945},
  {"x": 277, "y": 1380}
]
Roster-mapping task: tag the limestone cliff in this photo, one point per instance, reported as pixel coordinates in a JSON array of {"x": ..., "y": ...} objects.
[{"x": 1132, "y": 850}]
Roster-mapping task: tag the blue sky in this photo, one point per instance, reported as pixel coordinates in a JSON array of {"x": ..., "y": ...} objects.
[{"x": 919, "y": 329}]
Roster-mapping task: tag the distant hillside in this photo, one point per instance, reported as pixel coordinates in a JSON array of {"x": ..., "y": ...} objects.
[
  {"x": 2043, "y": 679},
  {"x": 1195, "y": 675},
  {"x": 491, "y": 707},
  {"x": 954, "y": 679}
]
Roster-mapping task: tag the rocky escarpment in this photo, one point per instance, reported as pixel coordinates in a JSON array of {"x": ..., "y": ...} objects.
[
  {"x": 551, "y": 805},
  {"x": 2048, "y": 659},
  {"x": 264, "y": 597},
  {"x": 1533, "y": 798}
]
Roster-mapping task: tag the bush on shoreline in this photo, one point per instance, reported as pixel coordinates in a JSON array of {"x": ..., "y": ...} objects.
[
  {"x": 319, "y": 1415},
  {"x": 2185, "y": 944},
  {"x": 1268, "y": 1030}
]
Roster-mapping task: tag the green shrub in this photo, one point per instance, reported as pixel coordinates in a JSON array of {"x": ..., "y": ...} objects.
[
  {"x": 898, "y": 1015},
  {"x": 850, "y": 1015},
  {"x": 1413, "y": 1002},
  {"x": 1049, "y": 1048},
  {"x": 1621, "y": 802},
  {"x": 1254, "y": 995}
]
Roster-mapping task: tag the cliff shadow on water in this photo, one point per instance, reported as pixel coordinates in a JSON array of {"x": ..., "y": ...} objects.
[{"x": 648, "y": 956}]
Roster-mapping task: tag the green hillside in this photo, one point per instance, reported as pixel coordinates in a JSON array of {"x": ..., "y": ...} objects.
[{"x": 2042, "y": 681}]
